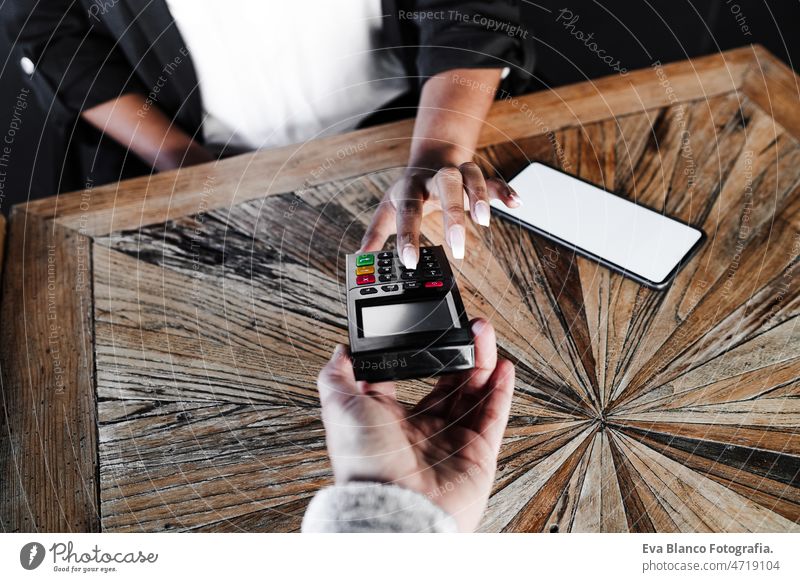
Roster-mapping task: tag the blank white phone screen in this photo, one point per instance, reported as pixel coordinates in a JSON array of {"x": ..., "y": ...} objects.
[{"x": 632, "y": 237}]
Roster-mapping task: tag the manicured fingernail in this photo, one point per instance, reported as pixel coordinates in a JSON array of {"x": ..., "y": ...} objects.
[
  {"x": 409, "y": 256},
  {"x": 515, "y": 197},
  {"x": 482, "y": 213},
  {"x": 478, "y": 326},
  {"x": 456, "y": 233}
]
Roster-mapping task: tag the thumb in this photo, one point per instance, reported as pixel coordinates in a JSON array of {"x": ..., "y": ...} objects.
[{"x": 493, "y": 416}]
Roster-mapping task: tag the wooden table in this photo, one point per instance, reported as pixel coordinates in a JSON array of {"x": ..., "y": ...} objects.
[{"x": 161, "y": 336}]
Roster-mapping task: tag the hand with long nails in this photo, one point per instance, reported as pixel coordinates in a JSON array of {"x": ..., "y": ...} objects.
[
  {"x": 420, "y": 191},
  {"x": 445, "y": 447},
  {"x": 441, "y": 173}
]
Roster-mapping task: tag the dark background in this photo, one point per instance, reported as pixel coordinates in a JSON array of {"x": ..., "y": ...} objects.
[{"x": 636, "y": 32}]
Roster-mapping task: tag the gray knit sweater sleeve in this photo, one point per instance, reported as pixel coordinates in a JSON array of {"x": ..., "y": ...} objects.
[{"x": 372, "y": 508}]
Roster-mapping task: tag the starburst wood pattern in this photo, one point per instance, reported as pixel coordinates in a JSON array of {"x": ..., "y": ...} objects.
[
  {"x": 636, "y": 410},
  {"x": 199, "y": 306}
]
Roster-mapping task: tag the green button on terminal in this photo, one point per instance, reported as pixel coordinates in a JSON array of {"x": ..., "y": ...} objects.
[{"x": 364, "y": 260}]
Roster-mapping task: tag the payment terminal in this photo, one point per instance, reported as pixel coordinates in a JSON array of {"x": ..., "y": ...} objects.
[{"x": 406, "y": 323}]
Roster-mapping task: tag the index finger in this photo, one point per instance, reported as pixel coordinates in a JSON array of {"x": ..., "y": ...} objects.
[
  {"x": 379, "y": 229},
  {"x": 408, "y": 202}
]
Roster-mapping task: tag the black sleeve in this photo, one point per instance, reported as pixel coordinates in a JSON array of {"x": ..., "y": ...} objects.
[
  {"x": 471, "y": 34},
  {"x": 76, "y": 61}
]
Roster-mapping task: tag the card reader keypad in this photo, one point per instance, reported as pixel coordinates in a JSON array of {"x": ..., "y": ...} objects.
[
  {"x": 373, "y": 269},
  {"x": 383, "y": 297}
]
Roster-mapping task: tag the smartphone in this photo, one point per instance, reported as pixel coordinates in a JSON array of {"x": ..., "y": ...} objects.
[{"x": 631, "y": 239}]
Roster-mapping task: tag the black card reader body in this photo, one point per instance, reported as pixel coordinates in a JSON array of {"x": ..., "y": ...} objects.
[{"x": 406, "y": 324}]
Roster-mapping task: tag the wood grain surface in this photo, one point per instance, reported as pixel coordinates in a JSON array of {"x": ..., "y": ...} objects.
[
  {"x": 635, "y": 410},
  {"x": 48, "y": 421},
  {"x": 212, "y": 296}
]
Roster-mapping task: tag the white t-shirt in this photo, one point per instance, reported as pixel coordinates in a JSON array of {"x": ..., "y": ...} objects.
[{"x": 275, "y": 73}]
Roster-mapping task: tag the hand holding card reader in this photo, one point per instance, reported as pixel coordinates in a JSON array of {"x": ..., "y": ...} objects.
[{"x": 405, "y": 323}]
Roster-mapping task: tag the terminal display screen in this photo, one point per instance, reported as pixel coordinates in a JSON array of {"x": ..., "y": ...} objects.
[{"x": 409, "y": 317}]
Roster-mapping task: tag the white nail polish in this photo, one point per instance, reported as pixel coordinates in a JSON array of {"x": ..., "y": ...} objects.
[
  {"x": 456, "y": 235},
  {"x": 409, "y": 256},
  {"x": 482, "y": 213}
]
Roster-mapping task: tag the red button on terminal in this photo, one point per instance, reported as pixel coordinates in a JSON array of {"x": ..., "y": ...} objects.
[
  {"x": 430, "y": 284},
  {"x": 365, "y": 279}
]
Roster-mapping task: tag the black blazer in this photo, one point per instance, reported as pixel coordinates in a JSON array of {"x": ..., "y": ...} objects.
[{"x": 79, "y": 53}]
